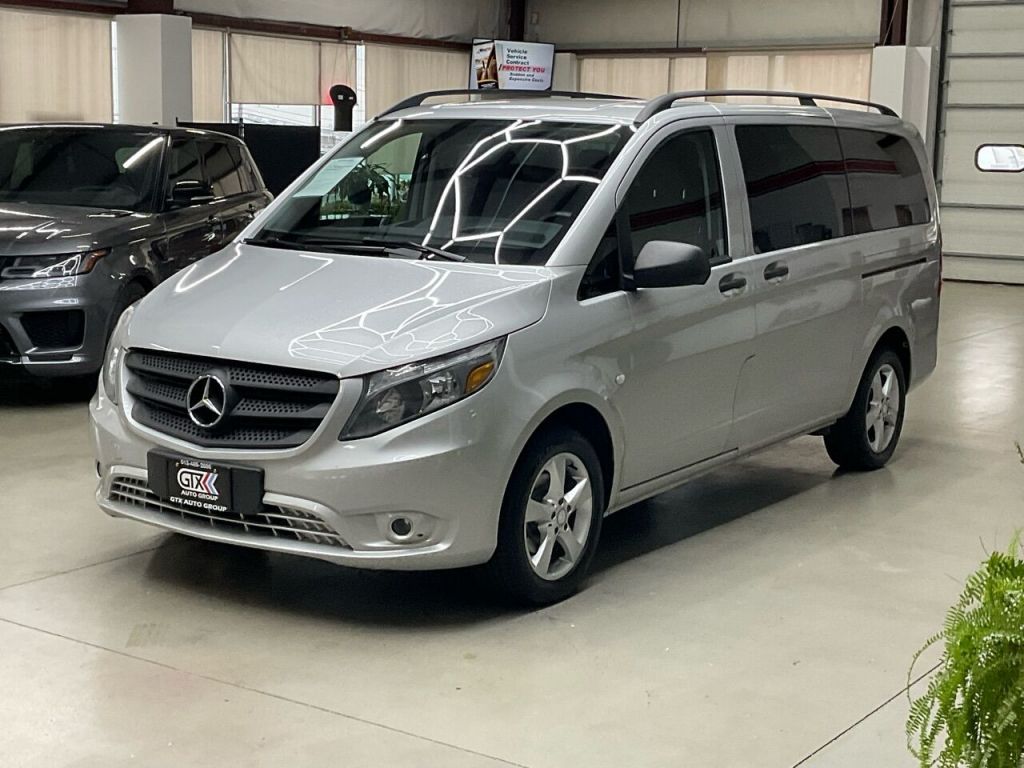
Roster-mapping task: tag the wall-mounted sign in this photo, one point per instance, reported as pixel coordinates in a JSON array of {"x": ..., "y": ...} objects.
[{"x": 508, "y": 65}]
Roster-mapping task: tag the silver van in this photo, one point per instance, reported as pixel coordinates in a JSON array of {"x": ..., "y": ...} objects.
[{"x": 475, "y": 329}]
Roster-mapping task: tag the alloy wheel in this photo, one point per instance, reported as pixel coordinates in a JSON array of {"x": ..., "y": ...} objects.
[
  {"x": 883, "y": 408},
  {"x": 558, "y": 516}
]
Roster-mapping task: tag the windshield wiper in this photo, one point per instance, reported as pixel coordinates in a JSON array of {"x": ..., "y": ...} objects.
[
  {"x": 424, "y": 251},
  {"x": 320, "y": 245}
]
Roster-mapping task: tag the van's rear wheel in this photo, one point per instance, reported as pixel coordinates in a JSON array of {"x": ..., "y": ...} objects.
[
  {"x": 550, "y": 519},
  {"x": 866, "y": 437}
]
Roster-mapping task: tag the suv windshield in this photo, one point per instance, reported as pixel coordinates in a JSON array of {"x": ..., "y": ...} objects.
[
  {"x": 491, "y": 191},
  {"x": 93, "y": 167}
]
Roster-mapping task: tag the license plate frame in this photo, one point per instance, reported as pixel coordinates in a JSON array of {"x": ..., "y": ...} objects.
[{"x": 205, "y": 487}]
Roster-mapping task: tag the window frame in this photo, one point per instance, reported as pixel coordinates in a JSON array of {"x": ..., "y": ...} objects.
[{"x": 620, "y": 218}]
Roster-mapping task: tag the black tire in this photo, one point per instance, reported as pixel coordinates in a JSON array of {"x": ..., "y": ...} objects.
[
  {"x": 131, "y": 293},
  {"x": 851, "y": 443},
  {"x": 510, "y": 569}
]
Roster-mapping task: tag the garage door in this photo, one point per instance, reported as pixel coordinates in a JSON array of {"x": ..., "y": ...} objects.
[{"x": 983, "y": 98}]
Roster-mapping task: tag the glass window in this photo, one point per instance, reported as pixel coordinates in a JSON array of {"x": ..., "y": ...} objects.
[
  {"x": 796, "y": 187},
  {"x": 999, "y": 158},
  {"x": 887, "y": 188},
  {"x": 494, "y": 191},
  {"x": 677, "y": 196},
  {"x": 244, "y": 174},
  {"x": 184, "y": 163},
  {"x": 221, "y": 169},
  {"x": 92, "y": 167}
]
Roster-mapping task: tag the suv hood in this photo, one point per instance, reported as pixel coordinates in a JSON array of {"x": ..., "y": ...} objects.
[
  {"x": 43, "y": 230},
  {"x": 348, "y": 315}
]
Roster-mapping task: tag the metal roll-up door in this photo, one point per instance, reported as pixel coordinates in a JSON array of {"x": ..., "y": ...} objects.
[{"x": 982, "y": 103}]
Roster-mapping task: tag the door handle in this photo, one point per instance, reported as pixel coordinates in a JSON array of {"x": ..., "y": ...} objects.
[
  {"x": 732, "y": 282},
  {"x": 777, "y": 270}
]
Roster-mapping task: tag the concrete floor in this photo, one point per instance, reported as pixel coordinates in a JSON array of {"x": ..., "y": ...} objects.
[{"x": 762, "y": 615}]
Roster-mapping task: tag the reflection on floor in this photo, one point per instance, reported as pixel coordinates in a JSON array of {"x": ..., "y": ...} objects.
[{"x": 749, "y": 618}]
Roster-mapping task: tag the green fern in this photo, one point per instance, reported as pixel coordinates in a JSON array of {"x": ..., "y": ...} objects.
[{"x": 972, "y": 713}]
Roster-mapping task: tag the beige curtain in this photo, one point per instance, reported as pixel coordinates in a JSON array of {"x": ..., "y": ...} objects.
[
  {"x": 208, "y": 75},
  {"x": 54, "y": 67},
  {"x": 337, "y": 65},
  {"x": 837, "y": 72},
  {"x": 638, "y": 76},
  {"x": 689, "y": 73},
  {"x": 274, "y": 70},
  {"x": 395, "y": 72}
]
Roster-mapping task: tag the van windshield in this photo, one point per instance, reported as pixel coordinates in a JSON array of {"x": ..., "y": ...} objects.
[
  {"x": 90, "y": 167},
  {"x": 491, "y": 191}
]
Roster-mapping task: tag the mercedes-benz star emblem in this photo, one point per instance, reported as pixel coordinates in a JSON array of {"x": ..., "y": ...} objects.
[{"x": 206, "y": 401}]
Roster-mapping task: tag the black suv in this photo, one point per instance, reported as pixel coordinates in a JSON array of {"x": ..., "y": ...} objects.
[{"x": 93, "y": 216}]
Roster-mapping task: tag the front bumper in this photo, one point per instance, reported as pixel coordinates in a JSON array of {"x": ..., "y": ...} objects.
[
  {"x": 77, "y": 311},
  {"x": 335, "y": 501}
]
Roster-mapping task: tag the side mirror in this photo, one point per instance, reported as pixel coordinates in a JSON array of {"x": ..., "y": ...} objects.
[
  {"x": 665, "y": 264},
  {"x": 190, "y": 192}
]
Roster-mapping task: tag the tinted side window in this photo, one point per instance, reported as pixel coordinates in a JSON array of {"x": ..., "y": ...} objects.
[
  {"x": 184, "y": 163},
  {"x": 245, "y": 173},
  {"x": 221, "y": 169},
  {"x": 887, "y": 187},
  {"x": 677, "y": 196},
  {"x": 795, "y": 184}
]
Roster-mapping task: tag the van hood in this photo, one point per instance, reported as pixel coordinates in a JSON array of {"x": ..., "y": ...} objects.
[
  {"x": 342, "y": 314},
  {"x": 28, "y": 229}
]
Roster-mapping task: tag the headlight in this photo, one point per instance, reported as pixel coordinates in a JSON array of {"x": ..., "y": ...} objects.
[
  {"x": 64, "y": 265},
  {"x": 398, "y": 395},
  {"x": 111, "y": 371}
]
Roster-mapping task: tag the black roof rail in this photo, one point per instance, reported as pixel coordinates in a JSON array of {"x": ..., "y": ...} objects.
[
  {"x": 419, "y": 98},
  {"x": 661, "y": 103}
]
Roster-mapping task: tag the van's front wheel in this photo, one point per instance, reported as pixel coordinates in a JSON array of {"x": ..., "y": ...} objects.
[
  {"x": 866, "y": 436},
  {"x": 550, "y": 519}
]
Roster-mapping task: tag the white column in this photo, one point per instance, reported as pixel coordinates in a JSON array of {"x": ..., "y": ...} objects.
[
  {"x": 905, "y": 78},
  {"x": 154, "y": 68}
]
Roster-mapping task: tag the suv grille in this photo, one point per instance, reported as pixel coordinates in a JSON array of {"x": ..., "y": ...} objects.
[
  {"x": 271, "y": 407},
  {"x": 272, "y": 521}
]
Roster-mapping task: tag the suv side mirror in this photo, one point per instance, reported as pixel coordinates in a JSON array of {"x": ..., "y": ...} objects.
[
  {"x": 190, "y": 192},
  {"x": 666, "y": 264}
]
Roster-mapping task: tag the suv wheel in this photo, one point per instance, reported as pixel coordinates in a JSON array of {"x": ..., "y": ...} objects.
[
  {"x": 866, "y": 436},
  {"x": 550, "y": 519}
]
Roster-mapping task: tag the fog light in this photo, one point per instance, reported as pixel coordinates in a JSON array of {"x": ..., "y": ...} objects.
[{"x": 401, "y": 527}]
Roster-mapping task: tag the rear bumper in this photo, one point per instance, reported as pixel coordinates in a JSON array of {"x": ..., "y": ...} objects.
[{"x": 56, "y": 327}]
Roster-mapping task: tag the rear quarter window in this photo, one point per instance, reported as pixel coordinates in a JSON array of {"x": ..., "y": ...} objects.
[{"x": 887, "y": 186}]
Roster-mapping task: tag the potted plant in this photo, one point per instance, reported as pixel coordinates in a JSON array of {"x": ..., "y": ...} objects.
[{"x": 972, "y": 712}]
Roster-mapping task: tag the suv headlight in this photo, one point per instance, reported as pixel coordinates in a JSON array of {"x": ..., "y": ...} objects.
[
  {"x": 399, "y": 395},
  {"x": 111, "y": 371},
  {"x": 63, "y": 265}
]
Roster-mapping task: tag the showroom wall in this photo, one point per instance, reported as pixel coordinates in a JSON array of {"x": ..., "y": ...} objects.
[
  {"x": 435, "y": 19},
  {"x": 704, "y": 23}
]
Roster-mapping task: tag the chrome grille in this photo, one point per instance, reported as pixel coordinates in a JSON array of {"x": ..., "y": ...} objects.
[
  {"x": 272, "y": 521},
  {"x": 275, "y": 408}
]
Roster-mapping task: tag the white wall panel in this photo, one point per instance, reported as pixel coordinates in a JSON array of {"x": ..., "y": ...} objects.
[
  {"x": 982, "y": 213},
  {"x": 438, "y": 19}
]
